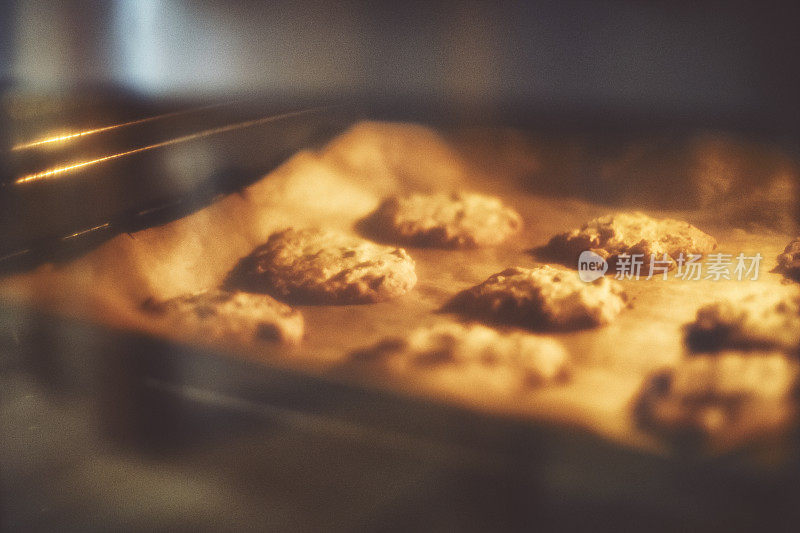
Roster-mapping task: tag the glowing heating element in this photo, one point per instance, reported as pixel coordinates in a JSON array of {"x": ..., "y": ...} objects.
[
  {"x": 69, "y": 136},
  {"x": 86, "y": 231},
  {"x": 59, "y": 172}
]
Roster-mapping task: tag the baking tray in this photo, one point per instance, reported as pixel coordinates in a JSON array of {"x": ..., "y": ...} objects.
[
  {"x": 105, "y": 429},
  {"x": 297, "y": 440}
]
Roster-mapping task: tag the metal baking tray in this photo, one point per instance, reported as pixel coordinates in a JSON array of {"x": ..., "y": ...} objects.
[
  {"x": 105, "y": 429},
  {"x": 114, "y": 424}
]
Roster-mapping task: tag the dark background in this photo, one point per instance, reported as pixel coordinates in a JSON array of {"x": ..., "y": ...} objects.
[{"x": 716, "y": 61}]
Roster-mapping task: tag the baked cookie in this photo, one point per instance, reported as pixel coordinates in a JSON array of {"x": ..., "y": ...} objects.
[
  {"x": 458, "y": 220},
  {"x": 328, "y": 267},
  {"x": 789, "y": 260},
  {"x": 541, "y": 298},
  {"x": 630, "y": 233},
  {"x": 239, "y": 316},
  {"x": 756, "y": 321},
  {"x": 728, "y": 396},
  {"x": 470, "y": 356}
]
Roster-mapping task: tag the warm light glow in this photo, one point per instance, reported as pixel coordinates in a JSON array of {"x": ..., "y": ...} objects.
[
  {"x": 69, "y": 136},
  {"x": 60, "y": 171},
  {"x": 85, "y": 231}
]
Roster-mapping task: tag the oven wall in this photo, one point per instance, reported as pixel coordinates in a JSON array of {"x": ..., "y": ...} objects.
[{"x": 717, "y": 58}]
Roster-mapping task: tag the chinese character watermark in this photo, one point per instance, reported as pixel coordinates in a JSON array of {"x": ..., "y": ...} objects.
[{"x": 691, "y": 267}]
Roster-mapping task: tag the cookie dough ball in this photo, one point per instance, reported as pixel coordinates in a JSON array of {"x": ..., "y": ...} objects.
[
  {"x": 541, "y": 298},
  {"x": 756, "y": 321},
  {"x": 326, "y": 267},
  {"x": 236, "y": 316},
  {"x": 630, "y": 233},
  {"x": 729, "y": 397},
  {"x": 789, "y": 260},
  {"x": 458, "y": 220},
  {"x": 472, "y": 356}
]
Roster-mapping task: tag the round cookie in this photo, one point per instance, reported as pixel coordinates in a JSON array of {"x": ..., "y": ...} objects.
[
  {"x": 541, "y": 298},
  {"x": 730, "y": 396},
  {"x": 755, "y": 321},
  {"x": 458, "y": 220},
  {"x": 630, "y": 233},
  {"x": 239, "y": 316},
  {"x": 327, "y": 267},
  {"x": 789, "y": 260},
  {"x": 453, "y": 354}
]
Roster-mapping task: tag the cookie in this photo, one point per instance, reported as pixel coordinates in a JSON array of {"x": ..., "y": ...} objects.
[
  {"x": 458, "y": 220},
  {"x": 729, "y": 396},
  {"x": 541, "y": 298},
  {"x": 239, "y": 316},
  {"x": 325, "y": 267},
  {"x": 630, "y": 233},
  {"x": 472, "y": 356},
  {"x": 755, "y": 321},
  {"x": 789, "y": 260}
]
